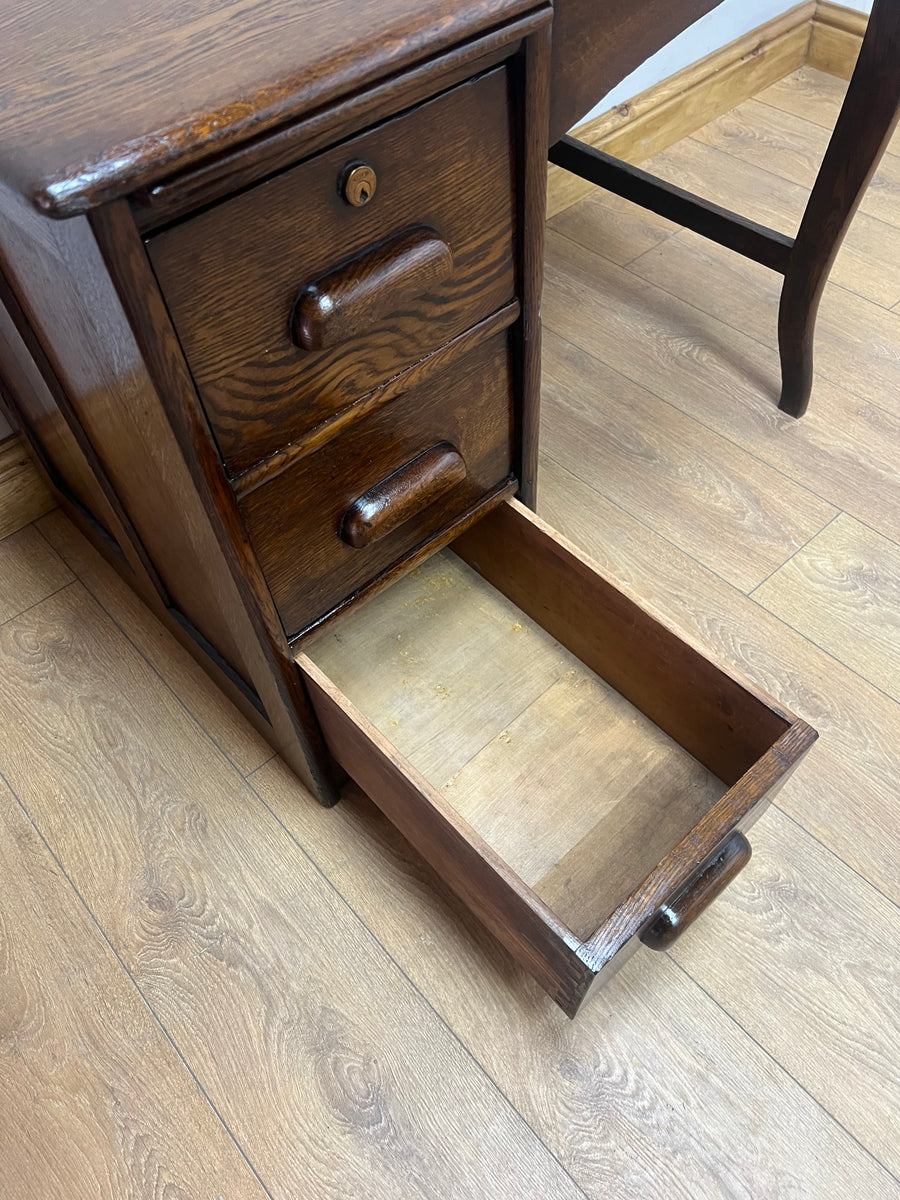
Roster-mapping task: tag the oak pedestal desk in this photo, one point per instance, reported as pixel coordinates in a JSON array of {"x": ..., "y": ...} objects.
[{"x": 270, "y": 322}]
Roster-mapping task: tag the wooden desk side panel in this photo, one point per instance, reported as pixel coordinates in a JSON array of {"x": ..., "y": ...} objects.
[{"x": 70, "y": 301}]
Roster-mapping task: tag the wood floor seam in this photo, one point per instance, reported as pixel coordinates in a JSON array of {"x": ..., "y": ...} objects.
[
  {"x": 467, "y": 1051},
  {"x": 128, "y": 975},
  {"x": 38, "y": 603},
  {"x": 752, "y": 594},
  {"x": 781, "y": 1067}
]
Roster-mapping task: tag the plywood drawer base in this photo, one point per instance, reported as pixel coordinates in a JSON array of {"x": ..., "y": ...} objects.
[{"x": 578, "y": 773}]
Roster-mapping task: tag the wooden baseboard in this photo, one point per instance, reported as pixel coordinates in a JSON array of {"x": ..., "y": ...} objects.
[
  {"x": 683, "y": 103},
  {"x": 23, "y": 494},
  {"x": 835, "y": 39}
]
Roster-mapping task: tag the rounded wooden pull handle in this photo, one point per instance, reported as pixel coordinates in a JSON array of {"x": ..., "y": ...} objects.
[
  {"x": 356, "y": 295},
  {"x": 416, "y": 485},
  {"x": 686, "y": 905}
]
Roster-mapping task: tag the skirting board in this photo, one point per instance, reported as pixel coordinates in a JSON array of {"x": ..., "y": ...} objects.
[
  {"x": 827, "y": 36},
  {"x": 23, "y": 494},
  {"x": 836, "y": 37}
]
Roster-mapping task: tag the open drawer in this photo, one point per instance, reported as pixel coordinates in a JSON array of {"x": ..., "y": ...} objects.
[{"x": 576, "y": 771}]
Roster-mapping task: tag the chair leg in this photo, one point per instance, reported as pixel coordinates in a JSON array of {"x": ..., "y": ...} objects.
[{"x": 864, "y": 126}]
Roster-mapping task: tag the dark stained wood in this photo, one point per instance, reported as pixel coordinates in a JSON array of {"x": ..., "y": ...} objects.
[
  {"x": 532, "y": 82},
  {"x": 596, "y": 43},
  {"x": 101, "y": 100},
  {"x": 754, "y": 741},
  {"x": 679, "y": 912},
  {"x": 231, "y": 275},
  {"x": 252, "y": 160},
  {"x": 618, "y": 938},
  {"x": 429, "y": 369},
  {"x": 358, "y": 294},
  {"x": 294, "y": 520},
  {"x": 415, "y": 486},
  {"x": 763, "y": 245},
  {"x": 721, "y": 721},
  {"x": 864, "y": 127},
  {"x": 196, "y": 520}
]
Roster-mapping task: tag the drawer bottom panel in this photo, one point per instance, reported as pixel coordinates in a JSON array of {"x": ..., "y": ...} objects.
[{"x": 578, "y": 773}]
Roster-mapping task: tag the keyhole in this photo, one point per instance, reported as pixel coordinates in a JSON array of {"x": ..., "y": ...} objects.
[{"x": 363, "y": 195}]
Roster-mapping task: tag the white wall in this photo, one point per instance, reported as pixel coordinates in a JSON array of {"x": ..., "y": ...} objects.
[{"x": 731, "y": 20}]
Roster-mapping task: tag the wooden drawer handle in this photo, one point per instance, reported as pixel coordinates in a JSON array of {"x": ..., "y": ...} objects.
[
  {"x": 416, "y": 485},
  {"x": 360, "y": 292},
  {"x": 687, "y": 904}
]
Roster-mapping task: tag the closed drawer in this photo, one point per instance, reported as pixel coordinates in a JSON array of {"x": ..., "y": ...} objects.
[
  {"x": 337, "y": 519},
  {"x": 427, "y": 255},
  {"x": 581, "y": 776}
]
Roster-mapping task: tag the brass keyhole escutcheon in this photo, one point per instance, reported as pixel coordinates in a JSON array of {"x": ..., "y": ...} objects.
[{"x": 359, "y": 184}]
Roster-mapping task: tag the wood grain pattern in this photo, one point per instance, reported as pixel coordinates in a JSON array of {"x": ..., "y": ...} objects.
[
  {"x": 294, "y": 520},
  {"x": 96, "y": 1101},
  {"x": 798, "y": 893},
  {"x": 231, "y": 731},
  {"x": 23, "y": 494},
  {"x": 814, "y": 96},
  {"x": 231, "y": 275},
  {"x": 684, "y": 102},
  {"x": 745, "y": 296},
  {"x": 726, "y": 381},
  {"x": 870, "y": 250},
  {"x": 653, "y": 1089},
  {"x": 842, "y": 591},
  {"x": 253, "y": 963},
  {"x": 593, "y": 48},
  {"x": 29, "y": 572},
  {"x": 792, "y": 148},
  {"x": 100, "y": 104},
  {"x": 859, "y": 727},
  {"x": 835, "y": 38},
  {"x": 724, "y": 508}
]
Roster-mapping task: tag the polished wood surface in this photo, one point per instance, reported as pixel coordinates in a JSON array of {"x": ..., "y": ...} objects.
[
  {"x": 405, "y": 492},
  {"x": 294, "y": 520},
  {"x": 102, "y": 101},
  {"x": 596, "y": 43},
  {"x": 358, "y": 294},
  {"x": 231, "y": 275},
  {"x": 494, "y": 847},
  {"x": 750, "y": 1060}
]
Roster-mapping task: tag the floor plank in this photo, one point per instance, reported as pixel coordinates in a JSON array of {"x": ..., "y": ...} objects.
[
  {"x": 842, "y": 591},
  {"x": 814, "y": 95},
  {"x": 844, "y": 449},
  {"x": 29, "y": 572},
  {"x": 713, "y": 499},
  {"x": 321, "y": 1058},
  {"x": 652, "y": 1090},
  {"x": 867, "y": 258},
  {"x": 802, "y": 952},
  {"x": 793, "y": 147},
  {"x": 96, "y": 1102},
  {"x": 228, "y": 728},
  {"x": 857, "y": 345},
  {"x": 845, "y": 794},
  {"x": 23, "y": 494}
]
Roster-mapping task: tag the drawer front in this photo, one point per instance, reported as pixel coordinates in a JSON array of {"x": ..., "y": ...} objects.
[
  {"x": 306, "y": 292},
  {"x": 340, "y": 516},
  {"x": 581, "y": 776}
]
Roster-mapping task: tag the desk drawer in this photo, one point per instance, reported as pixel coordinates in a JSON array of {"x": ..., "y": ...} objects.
[
  {"x": 334, "y": 521},
  {"x": 293, "y": 299},
  {"x": 581, "y": 776}
]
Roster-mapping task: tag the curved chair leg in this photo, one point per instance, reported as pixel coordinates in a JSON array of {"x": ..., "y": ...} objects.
[{"x": 864, "y": 126}]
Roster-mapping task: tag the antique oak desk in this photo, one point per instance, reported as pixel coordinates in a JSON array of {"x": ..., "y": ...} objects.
[{"x": 270, "y": 284}]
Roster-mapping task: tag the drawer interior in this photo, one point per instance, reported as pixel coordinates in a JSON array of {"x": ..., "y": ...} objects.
[{"x": 591, "y": 756}]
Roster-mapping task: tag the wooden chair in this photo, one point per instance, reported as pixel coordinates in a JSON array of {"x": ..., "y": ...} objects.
[{"x": 864, "y": 126}]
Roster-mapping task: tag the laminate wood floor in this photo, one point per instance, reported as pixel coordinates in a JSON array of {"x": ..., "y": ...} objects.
[{"x": 210, "y": 987}]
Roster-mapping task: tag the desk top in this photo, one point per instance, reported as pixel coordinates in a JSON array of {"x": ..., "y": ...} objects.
[{"x": 97, "y": 98}]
